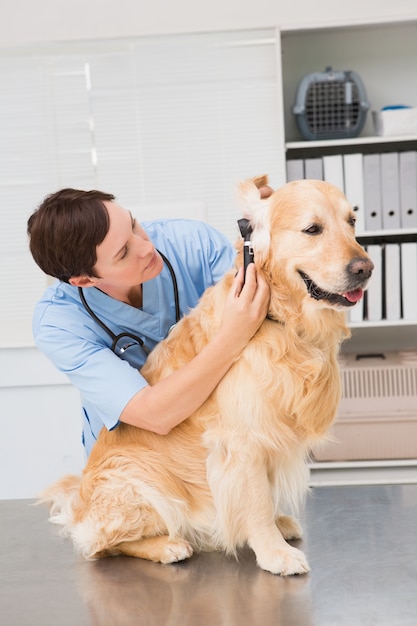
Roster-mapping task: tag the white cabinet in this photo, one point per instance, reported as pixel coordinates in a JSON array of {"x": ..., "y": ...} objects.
[
  {"x": 379, "y": 426},
  {"x": 385, "y": 57},
  {"x": 40, "y": 424}
]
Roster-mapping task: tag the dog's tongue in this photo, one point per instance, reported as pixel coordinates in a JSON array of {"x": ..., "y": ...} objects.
[{"x": 353, "y": 296}]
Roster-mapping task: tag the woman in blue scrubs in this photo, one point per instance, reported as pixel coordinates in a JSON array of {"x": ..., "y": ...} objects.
[{"x": 120, "y": 287}]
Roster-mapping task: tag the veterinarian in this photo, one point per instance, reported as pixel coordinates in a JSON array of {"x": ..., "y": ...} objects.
[{"x": 121, "y": 286}]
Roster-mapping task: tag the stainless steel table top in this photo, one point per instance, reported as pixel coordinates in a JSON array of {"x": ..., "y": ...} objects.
[{"x": 361, "y": 543}]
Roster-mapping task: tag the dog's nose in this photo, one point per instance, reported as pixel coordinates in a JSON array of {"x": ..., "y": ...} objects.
[{"x": 361, "y": 265}]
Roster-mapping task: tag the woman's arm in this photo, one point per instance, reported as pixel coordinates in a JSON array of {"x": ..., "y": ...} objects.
[{"x": 162, "y": 406}]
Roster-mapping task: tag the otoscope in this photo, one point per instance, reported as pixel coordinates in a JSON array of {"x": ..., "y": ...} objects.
[{"x": 246, "y": 231}]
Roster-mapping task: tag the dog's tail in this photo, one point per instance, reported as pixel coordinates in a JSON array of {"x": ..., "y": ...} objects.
[{"x": 62, "y": 498}]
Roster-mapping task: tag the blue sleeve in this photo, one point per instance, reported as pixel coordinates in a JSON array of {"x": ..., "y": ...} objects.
[{"x": 105, "y": 381}]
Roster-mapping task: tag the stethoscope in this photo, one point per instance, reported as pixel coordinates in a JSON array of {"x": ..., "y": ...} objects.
[{"x": 123, "y": 343}]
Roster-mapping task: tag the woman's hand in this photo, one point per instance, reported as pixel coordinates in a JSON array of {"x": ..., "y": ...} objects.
[
  {"x": 245, "y": 309},
  {"x": 164, "y": 405}
]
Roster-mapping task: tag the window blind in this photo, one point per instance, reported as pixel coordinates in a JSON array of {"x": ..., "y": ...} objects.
[{"x": 167, "y": 124}]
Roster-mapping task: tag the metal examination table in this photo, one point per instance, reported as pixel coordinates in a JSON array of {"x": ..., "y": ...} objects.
[{"x": 361, "y": 542}]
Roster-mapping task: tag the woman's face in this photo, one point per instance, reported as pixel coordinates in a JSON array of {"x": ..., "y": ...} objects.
[{"x": 126, "y": 257}]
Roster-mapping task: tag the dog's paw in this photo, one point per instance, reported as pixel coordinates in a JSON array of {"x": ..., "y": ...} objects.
[
  {"x": 289, "y": 527},
  {"x": 176, "y": 550},
  {"x": 285, "y": 561}
]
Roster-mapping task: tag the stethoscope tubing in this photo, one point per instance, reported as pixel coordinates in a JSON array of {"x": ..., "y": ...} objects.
[{"x": 115, "y": 338}]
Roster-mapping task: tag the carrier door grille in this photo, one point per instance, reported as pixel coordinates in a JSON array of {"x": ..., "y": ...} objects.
[{"x": 328, "y": 110}]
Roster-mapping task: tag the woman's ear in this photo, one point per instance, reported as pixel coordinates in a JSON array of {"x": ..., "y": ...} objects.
[{"x": 82, "y": 281}]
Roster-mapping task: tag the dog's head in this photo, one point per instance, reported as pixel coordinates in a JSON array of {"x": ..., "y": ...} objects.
[{"x": 303, "y": 236}]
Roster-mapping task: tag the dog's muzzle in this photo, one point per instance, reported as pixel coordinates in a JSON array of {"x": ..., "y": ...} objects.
[{"x": 347, "y": 298}]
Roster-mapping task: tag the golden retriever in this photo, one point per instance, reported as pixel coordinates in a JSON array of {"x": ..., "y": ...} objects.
[{"x": 223, "y": 478}]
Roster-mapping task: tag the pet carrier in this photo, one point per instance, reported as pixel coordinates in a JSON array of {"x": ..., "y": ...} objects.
[{"x": 330, "y": 105}]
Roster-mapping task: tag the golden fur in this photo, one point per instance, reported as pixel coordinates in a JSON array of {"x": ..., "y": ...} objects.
[{"x": 223, "y": 478}]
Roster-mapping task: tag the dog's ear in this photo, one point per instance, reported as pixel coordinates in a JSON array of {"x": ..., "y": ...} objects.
[
  {"x": 260, "y": 181},
  {"x": 250, "y": 195},
  {"x": 254, "y": 205}
]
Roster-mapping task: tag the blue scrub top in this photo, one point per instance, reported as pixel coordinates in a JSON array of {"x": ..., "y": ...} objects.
[{"x": 66, "y": 333}]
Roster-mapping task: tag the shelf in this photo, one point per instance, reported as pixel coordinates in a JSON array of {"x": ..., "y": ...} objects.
[
  {"x": 404, "y": 235},
  {"x": 383, "y": 324},
  {"x": 369, "y": 337},
  {"x": 356, "y": 141},
  {"x": 387, "y": 232},
  {"x": 401, "y": 471}
]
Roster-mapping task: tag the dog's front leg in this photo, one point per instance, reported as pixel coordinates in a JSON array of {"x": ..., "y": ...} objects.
[
  {"x": 274, "y": 554},
  {"x": 265, "y": 538},
  {"x": 245, "y": 512}
]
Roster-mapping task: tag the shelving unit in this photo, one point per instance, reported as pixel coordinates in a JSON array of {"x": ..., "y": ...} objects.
[{"x": 385, "y": 57}]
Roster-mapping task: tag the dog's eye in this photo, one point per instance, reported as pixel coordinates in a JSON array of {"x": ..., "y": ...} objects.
[
  {"x": 352, "y": 221},
  {"x": 314, "y": 229}
]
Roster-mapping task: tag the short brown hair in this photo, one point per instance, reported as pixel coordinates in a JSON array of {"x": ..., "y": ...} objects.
[{"x": 65, "y": 231}]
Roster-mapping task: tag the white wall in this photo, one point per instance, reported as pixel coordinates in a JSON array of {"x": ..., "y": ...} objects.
[
  {"x": 40, "y": 424},
  {"x": 25, "y": 21}
]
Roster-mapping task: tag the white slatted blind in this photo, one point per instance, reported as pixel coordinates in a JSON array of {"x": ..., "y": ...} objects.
[
  {"x": 170, "y": 121},
  {"x": 25, "y": 172}
]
